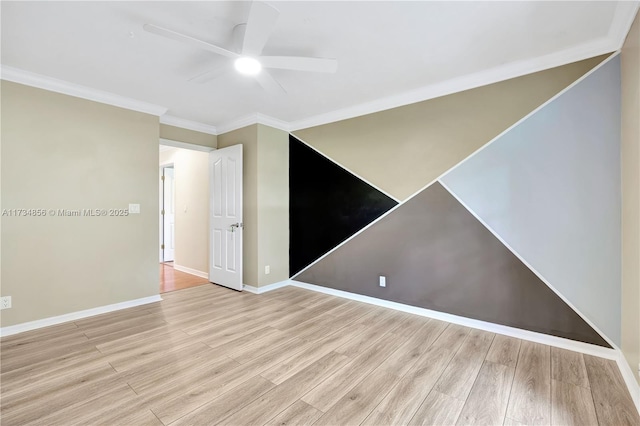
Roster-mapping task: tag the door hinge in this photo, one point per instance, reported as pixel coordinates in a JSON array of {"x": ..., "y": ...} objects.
[
  {"x": 162, "y": 212},
  {"x": 162, "y": 246},
  {"x": 162, "y": 177}
]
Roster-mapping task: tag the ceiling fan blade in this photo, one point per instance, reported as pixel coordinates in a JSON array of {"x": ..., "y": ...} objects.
[
  {"x": 299, "y": 63},
  {"x": 269, "y": 83},
  {"x": 209, "y": 75},
  {"x": 189, "y": 40},
  {"x": 262, "y": 20}
]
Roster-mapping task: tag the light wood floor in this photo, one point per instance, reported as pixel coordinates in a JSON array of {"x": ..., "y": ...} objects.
[
  {"x": 171, "y": 280},
  {"x": 208, "y": 355}
]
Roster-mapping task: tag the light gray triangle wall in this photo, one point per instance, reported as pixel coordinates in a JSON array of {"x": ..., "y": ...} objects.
[{"x": 550, "y": 188}]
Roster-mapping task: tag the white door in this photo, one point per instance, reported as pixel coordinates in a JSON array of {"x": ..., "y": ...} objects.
[
  {"x": 169, "y": 217},
  {"x": 226, "y": 228}
]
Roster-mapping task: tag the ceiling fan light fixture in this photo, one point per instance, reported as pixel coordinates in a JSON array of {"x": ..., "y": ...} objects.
[{"x": 248, "y": 66}]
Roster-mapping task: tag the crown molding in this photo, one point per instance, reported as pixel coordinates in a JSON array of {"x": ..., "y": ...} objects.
[
  {"x": 251, "y": 119},
  {"x": 171, "y": 120},
  {"x": 237, "y": 123},
  {"x": 273, "y": 122},
  {"x": 622, "y": 20},
  {"x": 28, "y": 78},
  {"x": 455, "y": 85}
]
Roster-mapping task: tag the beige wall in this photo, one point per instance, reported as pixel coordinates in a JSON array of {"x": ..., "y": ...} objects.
[
  {"x": 273, "y": 204},
  {"x": 266, "y": 201},
  {"x": 61, "y": 152},
  {"x": 1, "y": 203},
  {"x": 403, "y": 149},
  {"x": 188, "y": 136},
  {"x": 630, "y": 60},
  {"x": 191, "y": 170},
  {"x": 248, "y": 137}
]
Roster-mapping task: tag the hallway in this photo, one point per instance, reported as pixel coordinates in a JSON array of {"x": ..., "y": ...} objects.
[{"x": 171, "y": 280}]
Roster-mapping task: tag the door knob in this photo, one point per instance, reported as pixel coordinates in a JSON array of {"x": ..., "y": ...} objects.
[{"x": 236, "y": 225}]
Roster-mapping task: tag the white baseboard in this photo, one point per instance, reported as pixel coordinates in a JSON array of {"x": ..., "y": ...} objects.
[
  {"x": 46, "y": 322},
  {"x": 629, "y": 378},
  {"x": 190, "y": 271},
  {"x": 266, "y": 288},
  {"x": 528, "y": 265},
  {"x": 560, "y": 342}
]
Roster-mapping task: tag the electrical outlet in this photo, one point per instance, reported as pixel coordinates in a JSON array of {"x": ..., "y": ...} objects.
[
  {"x": 5, "y": 302},
  {"x": 383, "y": 281},
  {"x": 267, "y": 270}
]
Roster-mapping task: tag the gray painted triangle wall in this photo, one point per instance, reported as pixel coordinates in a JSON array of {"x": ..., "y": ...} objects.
[{"x": 436, "y": 255}]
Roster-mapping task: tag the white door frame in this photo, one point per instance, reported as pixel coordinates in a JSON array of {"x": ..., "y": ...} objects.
[
  {"x": 169, "y": 210},
  {"x": 184, "y": 145},
  {"x": 161, "y": 206}
]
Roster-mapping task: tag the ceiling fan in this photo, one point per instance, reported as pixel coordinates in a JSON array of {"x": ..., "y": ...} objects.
[{"x": 250, "y": 40}]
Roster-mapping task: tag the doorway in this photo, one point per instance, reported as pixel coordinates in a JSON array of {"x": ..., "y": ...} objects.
[
  {"x": 172, "y": 279},
  {"x": 183, "y": 215}
]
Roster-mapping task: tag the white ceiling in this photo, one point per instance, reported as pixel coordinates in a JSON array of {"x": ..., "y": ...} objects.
[{"x": 388, "y": 53}]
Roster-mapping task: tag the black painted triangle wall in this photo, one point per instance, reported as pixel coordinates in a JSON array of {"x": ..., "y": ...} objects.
[
  {"x": 436, "y": 255},
  {"x": 327, "y": 205}
]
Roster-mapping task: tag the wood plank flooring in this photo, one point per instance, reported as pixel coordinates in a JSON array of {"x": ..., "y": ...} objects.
[
  {"x": 171, "y": 279},
  {"x": 208, "y": 355}
]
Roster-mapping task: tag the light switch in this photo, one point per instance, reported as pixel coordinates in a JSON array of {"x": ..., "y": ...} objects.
[{"x": 134, "y": 208}]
